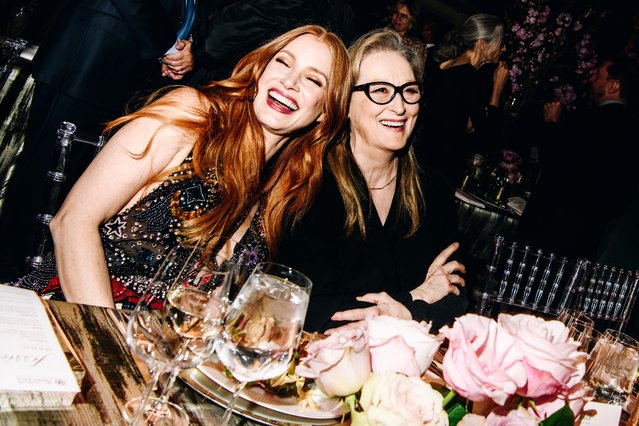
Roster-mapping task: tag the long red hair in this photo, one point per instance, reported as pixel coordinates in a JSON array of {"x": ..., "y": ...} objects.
[{"x": 230, "y": 142}]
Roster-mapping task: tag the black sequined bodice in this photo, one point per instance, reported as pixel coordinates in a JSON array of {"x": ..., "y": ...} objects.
[{"x": 138, "y": 239}]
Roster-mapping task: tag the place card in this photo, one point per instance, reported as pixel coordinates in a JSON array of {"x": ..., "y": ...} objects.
[
  {"x": 34, "y": 371},
  {"x": 600, "y": 414}
]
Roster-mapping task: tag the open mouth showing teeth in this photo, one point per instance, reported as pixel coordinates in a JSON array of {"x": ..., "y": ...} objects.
[
  {"x": 392, "y": 123},
  {"x": 283, "y": 101}
]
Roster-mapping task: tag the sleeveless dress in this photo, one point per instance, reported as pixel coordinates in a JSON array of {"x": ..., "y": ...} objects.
[{"x": 137, "y": 240}]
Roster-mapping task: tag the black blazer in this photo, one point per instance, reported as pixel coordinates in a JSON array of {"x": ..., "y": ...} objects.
[{"x": 103, "y": 51}]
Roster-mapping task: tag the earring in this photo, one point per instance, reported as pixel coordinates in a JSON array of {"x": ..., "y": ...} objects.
[{"x": 252, "y": 94}]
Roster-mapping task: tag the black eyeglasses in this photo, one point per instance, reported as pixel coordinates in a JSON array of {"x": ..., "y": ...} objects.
[{"x": 383, "y": 93}]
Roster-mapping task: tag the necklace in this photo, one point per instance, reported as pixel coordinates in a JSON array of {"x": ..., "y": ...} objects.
[{"x": 382, "y": 187}]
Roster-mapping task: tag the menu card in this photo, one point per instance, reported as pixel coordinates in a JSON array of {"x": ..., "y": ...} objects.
[{"x": 34, "y": 371}]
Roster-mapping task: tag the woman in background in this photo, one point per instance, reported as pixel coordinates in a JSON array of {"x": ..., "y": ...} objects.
[
  {"x": 404, "y": 20},
  {"x": 462, "y": 96},
  {"x": 379, "y": 221},
  {"x": 238, "y": 158}
]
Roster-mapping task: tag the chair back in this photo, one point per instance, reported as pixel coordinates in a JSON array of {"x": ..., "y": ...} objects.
[
  {"x": 10, "y": 50},
  {"x": 522, "y": 279},
  {"x": 56, "y": 177}
]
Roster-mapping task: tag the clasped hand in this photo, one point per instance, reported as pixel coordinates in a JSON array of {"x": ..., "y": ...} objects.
[
  {"x": 441, "y": 279},
  {"x": 179, "y": 63}
]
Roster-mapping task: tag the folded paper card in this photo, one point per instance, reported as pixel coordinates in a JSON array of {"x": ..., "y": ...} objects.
[{"x": 34, "y": 371}]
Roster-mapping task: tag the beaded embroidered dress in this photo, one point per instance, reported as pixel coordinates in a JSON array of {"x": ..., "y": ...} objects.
[{"x": 137, "y": 240}]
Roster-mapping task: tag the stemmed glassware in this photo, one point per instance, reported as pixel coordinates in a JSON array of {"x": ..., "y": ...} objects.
[
  {"x": 580, "y": 327},
  {"x": 263, "y": 326},
  {"x": 175, "y": 324}
]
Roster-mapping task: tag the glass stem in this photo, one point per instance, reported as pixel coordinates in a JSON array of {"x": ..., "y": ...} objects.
[
  {"x": 167, "y": 387},
  {"x": 229, "y": 409},
  {"x": 155, "y": 377},
  {"x": 160, "y": 405}
]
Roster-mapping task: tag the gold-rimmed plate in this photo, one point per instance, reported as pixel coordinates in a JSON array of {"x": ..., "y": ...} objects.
[
  {"x": 324, "y": 409},
  {"x": 213, "y": 391}
]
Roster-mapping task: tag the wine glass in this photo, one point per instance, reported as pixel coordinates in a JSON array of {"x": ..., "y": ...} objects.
[
  {"x": 174, "y": 326},
  {"x": 263, "y": 326},
  {"x": 580, "y": 327}
]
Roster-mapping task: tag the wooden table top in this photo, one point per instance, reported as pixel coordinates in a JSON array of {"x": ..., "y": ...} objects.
[{"x": 111, "y": 376}]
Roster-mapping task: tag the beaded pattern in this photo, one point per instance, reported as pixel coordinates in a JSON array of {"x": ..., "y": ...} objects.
[{"x": 137, "y": 240}]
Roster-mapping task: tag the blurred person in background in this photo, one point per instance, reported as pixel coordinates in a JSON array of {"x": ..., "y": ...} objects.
[
  {"x": 96, "y": 57},
  {"x": 461, "y": 105}
]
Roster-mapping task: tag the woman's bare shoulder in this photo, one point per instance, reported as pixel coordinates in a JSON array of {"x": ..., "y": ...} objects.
[{"x": 182, "y": 103}]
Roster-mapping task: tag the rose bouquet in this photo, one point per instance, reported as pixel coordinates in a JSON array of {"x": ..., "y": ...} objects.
[
  {"x": 522, "y": 369},
  {"x": 378, "y": 372},
  {"x": 518, "y": 370}
]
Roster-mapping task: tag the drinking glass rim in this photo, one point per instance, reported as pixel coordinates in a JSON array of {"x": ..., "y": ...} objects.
[
  {"x": 306, "y": 281},
  {"x": 621, "y": 337}
]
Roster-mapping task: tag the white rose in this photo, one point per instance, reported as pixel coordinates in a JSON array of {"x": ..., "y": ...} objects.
[
  {"x": 393, "y": 399},
  {"x": 340, "y": 364}
]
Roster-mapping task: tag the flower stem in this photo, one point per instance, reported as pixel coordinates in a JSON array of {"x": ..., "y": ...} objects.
[{"x": 449, "y": 396}]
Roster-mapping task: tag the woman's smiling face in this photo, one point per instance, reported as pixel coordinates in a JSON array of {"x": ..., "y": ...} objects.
[
  {"x": 385, "y": 127},
  {"x": 292, "y": 90}
]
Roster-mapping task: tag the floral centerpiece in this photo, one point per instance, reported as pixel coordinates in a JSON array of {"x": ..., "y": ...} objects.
[
  {"x": 520, "y": 369},
  {"x": 550, "y": 47}
]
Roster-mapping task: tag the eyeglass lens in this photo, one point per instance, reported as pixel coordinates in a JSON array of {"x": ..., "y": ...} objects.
[{"x": 383, "y": 93}]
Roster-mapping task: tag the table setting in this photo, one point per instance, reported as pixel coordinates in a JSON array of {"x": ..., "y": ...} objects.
[{"x": 247, "y": 361}]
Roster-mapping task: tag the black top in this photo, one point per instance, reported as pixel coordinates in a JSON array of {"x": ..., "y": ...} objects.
[
  {"x": 342, "y": 268},
  {"x": 451, "y": 97}
]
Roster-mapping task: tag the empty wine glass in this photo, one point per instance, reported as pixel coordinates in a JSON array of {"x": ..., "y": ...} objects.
[
  {"x": 580, "y": 327},
  {"x": 263, "y": 326},
  {"x": 174, "y": 326}
]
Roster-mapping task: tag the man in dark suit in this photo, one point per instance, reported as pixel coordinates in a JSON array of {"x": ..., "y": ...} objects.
[
  {"x": 588, "y": 174},
  {"x": 226, "y": 30},
  {"x": 97, "y": 56}
]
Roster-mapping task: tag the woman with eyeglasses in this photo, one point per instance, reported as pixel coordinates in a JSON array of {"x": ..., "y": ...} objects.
[{"x": 380, "y": 233}]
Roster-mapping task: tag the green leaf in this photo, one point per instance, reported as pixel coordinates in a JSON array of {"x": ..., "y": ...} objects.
[
  {"x": 562, "y": 417},
  {"x": 456, "y": 413}
]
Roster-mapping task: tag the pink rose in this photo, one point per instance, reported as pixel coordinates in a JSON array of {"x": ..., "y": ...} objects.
[
  {"x": 501, "y": 416},
  {"x": 401, "y": 346},
  {"x": 482, "y": 361},
  {"x": 340, "y": 364},
  {"x": 396, "y": 399},
  {"x": 551, "y": 359},
  {"x": 575, "y": 397}
]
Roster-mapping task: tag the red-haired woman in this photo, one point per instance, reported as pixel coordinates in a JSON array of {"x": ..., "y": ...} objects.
[{"x": 240, "y": 158}]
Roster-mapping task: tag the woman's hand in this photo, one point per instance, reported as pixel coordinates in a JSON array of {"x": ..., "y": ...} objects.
[
  {"x": 440, "y": 278},
  {"x": 177, "y": 64},
  {"x": 383, "y": 304}
]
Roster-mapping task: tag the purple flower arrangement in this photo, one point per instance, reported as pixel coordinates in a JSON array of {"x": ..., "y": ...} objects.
[{"x": 550, "y": 49}]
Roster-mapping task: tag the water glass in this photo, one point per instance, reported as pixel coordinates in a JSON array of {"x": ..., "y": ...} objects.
[
  {"x": 263, "y": 326},
  {"x": 612, "y": 367}
]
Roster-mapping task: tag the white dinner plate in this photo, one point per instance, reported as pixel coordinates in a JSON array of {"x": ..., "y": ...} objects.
[
  {"x": 329, "y": 409},
  {"x": 204, "y": 385}
]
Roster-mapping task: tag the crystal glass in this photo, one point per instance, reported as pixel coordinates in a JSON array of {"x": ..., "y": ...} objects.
[
  {"x": 612, "y": 367},
  {"x": 580, "y": 327},
  {"x": 263, "y": 326},
  {"x": 175, "y": 324}
]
